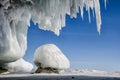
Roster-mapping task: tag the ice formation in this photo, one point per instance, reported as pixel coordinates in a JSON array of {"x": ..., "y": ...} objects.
[
  {"x": 50, "y": 55},
  {"x": 15, "y": 18},
  {"x": 19, "y": 66},
  {"x": 84, "y": 72},
  {"x": 12, "y": 39}
]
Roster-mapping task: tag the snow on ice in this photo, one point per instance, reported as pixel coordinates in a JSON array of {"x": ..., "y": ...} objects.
[{"x": 19, "y": 66}]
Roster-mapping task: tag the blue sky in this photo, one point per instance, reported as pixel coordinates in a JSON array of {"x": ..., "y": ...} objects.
[{"x": 80, "y": 41}]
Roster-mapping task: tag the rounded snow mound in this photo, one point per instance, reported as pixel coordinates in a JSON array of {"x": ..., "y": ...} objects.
[
  {"x": 19, "y": 66},
  {"x": 50, "y": 55}
]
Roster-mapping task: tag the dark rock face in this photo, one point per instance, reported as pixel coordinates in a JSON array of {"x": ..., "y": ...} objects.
[
  {"x": 46, "y": 70},
  {"x": 3, "y": 70},
  {"x": 1, "y": 5}
]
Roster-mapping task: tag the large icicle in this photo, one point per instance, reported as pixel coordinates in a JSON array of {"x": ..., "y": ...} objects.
[{"x": 15, "y": 18}]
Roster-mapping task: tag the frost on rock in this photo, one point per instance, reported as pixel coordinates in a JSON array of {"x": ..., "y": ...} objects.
[
  {"x": 50, "y": 57},
  {"x": 19, "y": 66},
  {"x": 50, "y": 15}
]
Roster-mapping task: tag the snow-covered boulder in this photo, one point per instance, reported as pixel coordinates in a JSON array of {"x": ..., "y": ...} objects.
[
  {"x": 51, "y": 57},
  {"x": 19, "y": 66}
]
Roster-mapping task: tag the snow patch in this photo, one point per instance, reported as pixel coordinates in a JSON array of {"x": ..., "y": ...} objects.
[{"x": 19, "y": 66}]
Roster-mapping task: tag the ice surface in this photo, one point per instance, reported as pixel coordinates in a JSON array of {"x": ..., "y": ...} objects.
[
  {"x": 84, "y": 71},
  {"x": 89, "y": 72},
  {"x": 68, "y": 76},
  {"x": 50, "y": 55},
  {"x": 19, "y": 66},
  {"x": 15, "y": 18}
]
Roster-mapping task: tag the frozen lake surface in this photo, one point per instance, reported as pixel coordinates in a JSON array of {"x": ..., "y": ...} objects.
[{"x": 54, "y": 77}]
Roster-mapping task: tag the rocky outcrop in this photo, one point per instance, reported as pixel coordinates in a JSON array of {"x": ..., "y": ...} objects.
[{"x": 3, "y": 70}]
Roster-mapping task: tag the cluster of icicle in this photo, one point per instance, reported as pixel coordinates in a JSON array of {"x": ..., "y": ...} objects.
[
  {"x": 15, "y": 16},
  {"x": 49, "y": 14}
]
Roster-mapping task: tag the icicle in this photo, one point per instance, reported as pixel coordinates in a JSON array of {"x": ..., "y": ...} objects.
[
  {"x": 105, "y": 3},
  {"x": 98, "y": 16}
]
